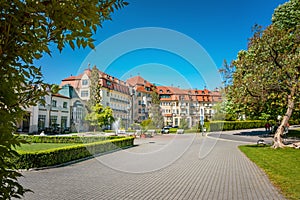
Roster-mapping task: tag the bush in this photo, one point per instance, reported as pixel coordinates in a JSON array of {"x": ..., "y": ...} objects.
[
  {"x": 66, "y": 154},
  {"x": 173, "y": 130},
  {"x": 66, "y": 139},
  {"x": 234, "y": 125}
]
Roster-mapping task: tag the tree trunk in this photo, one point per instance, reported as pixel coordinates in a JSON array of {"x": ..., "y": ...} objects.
[
  {"x": 279, "y": 132},
  {"x": 50, "y": 110}
]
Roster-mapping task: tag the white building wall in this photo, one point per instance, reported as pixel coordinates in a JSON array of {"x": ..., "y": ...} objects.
[{"x": 59, "y": 111}]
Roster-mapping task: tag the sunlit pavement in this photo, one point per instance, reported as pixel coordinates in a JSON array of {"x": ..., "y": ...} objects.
[{"x": 188, "y": 166}]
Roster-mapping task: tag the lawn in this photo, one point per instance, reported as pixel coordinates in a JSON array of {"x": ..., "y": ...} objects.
[
  {"x": 35, "y": 147},
  {"x": 281, "y": 165}
]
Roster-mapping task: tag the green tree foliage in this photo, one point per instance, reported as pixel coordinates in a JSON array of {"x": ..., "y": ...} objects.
[
  {"x": 146, "y": 124},
  {"x": 287, "y": 16},
  {"x": 52, "y": 89},
  {"x": 100, "y": 116},
  {"x": 95, "y": 88},
  {"x": 26, "y": 30},
  {"x": 156, "y": 116},
  {"x": 184, "y": 123},
  {"x": 266, "y": 76}
]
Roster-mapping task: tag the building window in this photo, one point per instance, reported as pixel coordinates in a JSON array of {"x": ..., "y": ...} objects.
[
  {"x": 139, "y": 94},
  {"x": 84, "y": 93},
  {"x": 53, "y": 120},
  {"x": 140, "y": 102},
  {"x": 41, "y": 122},
  {"x": 84, "y": 82},
  {"x": 108, "y": 83},
  {"x": 65, "y": 105},
  {"x": 64, "y": 122},
  {"x": 54, "y": 102},
  {"x": 165, "y": 96}
]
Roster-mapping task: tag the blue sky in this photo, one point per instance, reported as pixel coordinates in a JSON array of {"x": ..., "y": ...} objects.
[{"x": 221, "y": 28}]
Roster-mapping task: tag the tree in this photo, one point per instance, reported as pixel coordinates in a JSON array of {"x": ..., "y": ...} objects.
[
  {"x": 95, "y": 88},
  {"x": 184, "y": 123},
  {"x": 145, "y": 124},
  {"x": 54, "y": 89},
  {"x": 266, "y": 76},
  {"x": 27, "y": 30},
  {"x": 100, "y": 116},
  {"x": 156, "y": 116}
]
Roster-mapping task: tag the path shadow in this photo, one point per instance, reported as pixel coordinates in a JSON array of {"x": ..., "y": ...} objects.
[{"x": 255, "y": 133}]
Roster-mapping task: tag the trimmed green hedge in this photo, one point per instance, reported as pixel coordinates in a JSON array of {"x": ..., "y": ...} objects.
[
  {"x": 66, "y": 139},
  {"x": 70, "y": 153},
  {"x": 232, "y": 125}
]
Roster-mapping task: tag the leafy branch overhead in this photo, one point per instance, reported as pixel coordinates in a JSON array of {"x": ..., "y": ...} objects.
[{"x": 27, "y": 29}]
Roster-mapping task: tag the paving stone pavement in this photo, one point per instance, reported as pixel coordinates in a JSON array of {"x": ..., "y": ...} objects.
[{"x": 207, "y": 169}]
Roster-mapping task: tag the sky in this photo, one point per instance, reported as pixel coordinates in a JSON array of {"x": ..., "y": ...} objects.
[{"x": 167, "y": 42}]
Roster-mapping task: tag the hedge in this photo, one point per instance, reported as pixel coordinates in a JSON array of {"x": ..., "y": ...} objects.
[
  {"x": 66, "y": 139},
  {"x": 65, "y": 154},
  {"x": 232, "y": 125}
]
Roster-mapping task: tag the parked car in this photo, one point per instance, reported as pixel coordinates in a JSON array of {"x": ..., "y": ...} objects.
[{"x": 165, "y": 130}]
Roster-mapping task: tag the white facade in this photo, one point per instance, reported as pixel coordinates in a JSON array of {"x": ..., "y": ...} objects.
[{"x": 55, "y": 114}]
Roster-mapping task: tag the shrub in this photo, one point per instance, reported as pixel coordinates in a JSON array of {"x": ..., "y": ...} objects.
[
  {"x": 232, "y": 125},
  {"x": 66, "y": 154},
  {"x": 66, "y": 139},
  {"x": 173, "y": 130}
]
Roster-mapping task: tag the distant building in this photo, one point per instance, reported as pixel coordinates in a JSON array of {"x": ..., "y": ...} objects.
[
  {"x": 181, "y": 104},
  {"x": 114, "y": 92},
  {"x": 141, "y": 99},
  {"x": 130, "y": 102}
]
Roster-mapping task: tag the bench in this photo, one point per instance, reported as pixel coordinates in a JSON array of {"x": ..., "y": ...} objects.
[
  {"x": 121, "y": 131},
  {"x": 261, "y": 142},
  {"x": 180, "y": 131},
  {"x": 151, "y": 132}
]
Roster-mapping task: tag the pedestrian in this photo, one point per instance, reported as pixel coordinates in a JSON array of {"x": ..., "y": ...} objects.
[{"x": 267, "y": 126}]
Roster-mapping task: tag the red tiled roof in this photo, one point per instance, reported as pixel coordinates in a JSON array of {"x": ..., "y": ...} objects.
[
  {"x": 59, "y": 95},
  {"x": 138, "y": 80},
  {"x": 71, "y": 78}
]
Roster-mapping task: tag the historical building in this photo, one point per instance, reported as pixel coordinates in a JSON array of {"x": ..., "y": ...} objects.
[
  {"x": 54, "y": 115},
  {"x": 181, "y": 104},
  {"x": 130, "y": 102},
  {"x": 141, "y": 98},
  {"x": 115, "y": 93}
]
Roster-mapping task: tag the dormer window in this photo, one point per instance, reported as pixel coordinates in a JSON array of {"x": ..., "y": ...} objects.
[
  {"x": 160, "y": 91},
  {"x": 85, "y": 82}
]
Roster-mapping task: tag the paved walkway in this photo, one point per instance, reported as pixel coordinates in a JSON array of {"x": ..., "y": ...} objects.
[{"x": 187, "y": 166}]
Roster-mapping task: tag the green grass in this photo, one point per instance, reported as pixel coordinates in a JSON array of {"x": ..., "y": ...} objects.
[
  {"x": 35, "y": 147},
  {"x": 281, "y": 165}
]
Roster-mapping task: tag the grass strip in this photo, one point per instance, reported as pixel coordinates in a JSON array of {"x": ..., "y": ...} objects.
[{"x": 281, "y": 165}]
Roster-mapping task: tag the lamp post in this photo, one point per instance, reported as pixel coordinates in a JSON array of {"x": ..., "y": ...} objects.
[
  {"x": 202, "y": 119},
  {"x": 128, "y": 117}
]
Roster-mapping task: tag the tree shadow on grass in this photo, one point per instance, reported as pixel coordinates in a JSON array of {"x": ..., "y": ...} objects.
[{"x": 257, "y": 146}]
